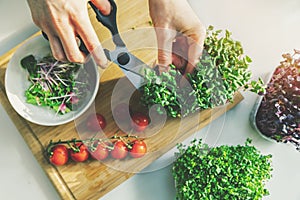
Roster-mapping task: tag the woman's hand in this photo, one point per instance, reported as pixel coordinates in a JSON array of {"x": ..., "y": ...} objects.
[
  {"x": 178, "y": 30},
  {"x": 64, "y": 21}
]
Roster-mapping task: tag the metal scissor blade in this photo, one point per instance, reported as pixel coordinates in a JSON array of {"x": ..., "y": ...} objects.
[
  {"x": 133, "y": 67},
  {"x": 136, "y": 80}
]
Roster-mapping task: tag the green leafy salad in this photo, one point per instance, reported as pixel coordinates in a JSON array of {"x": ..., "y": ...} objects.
[
  {"x": 223, "y": 172},
  {"x": 221, "y": 72},
  {"x": 55, "y": 84}
]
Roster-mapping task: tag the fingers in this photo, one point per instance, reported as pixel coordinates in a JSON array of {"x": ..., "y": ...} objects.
[
  {"x": 66, "y": 46},
  {"x": 103, "y": 5},
  {"x": 194, "y": 54},
  {"x": 66, "y": 21},
  {"x": 63, "y": 41},
  {"x": 91, "y": 41},
  {"x": 56, "y": 48},
  {"x": 165, "y": 39},
  {"x": 70, "y": 45},
  {"x": 184, "y": 52},
  {"x": 180, "y": 52},
  {"x": 195, "y": 43}
]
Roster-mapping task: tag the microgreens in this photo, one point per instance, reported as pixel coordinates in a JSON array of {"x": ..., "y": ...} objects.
[
  {"x": 223, "y": 172},
  {"x": 221, "y": 72},
  {"x": 54, "y": 83},
  {"x": 278, "y": 116}
]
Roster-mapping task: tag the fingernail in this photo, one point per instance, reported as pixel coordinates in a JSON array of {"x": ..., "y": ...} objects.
[
  {"x": 78, "y": 41},
  {"x": 105, "y": 65},
  {"x": 100, "y": 58}
]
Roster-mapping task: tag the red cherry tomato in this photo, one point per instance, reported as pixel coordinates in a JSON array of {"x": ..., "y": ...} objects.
[
  {"x": 80, "y": 156},
  {"x": 100, "y": 153},
  {"x": 139, "y": 149},
  {"x": 95, "y": 122},
  {"x": 139, "y": 122},
  {"x": 120, "y": 150},
  {"x": 121, "y": 112},
  {"x": 59, "y": 155}
]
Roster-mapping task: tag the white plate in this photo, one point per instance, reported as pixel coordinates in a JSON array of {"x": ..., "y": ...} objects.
[{"x": 16, "y": 83}]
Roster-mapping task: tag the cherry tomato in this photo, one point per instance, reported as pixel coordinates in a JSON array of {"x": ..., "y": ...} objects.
[
  {"x": 100, "y": 153},
  {"x": 80, "y": 156},
  {"x": 139, "y": 149},
  {"x": 120, "y": 150},
  {"x": 121, "y": 112},
  {"x": 139, "y": 122},
  {"x": 95, "y": 122},
  {"x": 59, "y": 155}
]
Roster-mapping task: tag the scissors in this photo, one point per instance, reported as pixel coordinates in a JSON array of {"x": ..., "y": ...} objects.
[{"x": 131, "y": 66}]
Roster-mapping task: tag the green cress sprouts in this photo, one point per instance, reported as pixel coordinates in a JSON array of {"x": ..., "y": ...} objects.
[
  {"x": 55, "y": 84},
  {"x": 221, "y": 72},
  {"x": 223, "y": 172}
]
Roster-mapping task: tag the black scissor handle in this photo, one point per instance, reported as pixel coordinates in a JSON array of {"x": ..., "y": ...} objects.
[{"x": 110, "y": 21}]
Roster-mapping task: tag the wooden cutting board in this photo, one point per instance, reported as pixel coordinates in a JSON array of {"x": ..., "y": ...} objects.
[{"x": 93, "y": 179}]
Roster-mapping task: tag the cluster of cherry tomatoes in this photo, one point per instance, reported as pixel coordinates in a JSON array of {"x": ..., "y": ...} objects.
[{"x": 117, "y": 147}]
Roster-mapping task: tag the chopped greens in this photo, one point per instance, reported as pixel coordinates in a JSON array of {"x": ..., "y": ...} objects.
[
  {"x": 223, "y": 172},
  {"x": 221, "y": 72},
  {"x": 55, "y": 84}
]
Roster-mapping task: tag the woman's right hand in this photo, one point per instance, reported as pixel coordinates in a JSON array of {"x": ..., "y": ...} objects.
[{"x": 64, "y": 21}]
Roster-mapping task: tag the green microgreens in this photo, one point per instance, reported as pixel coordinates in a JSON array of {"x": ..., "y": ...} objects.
[
  {"x": 53, "y": 83},
  {"x": 223, "y": 172},
  {"x": 221, "y": 72}
]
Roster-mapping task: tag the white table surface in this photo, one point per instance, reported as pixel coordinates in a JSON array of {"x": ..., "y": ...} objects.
[{"x": 266, "y": 29}]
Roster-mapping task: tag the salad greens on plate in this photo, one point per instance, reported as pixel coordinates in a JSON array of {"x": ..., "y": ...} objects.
[{"x": 55, "y": 84}]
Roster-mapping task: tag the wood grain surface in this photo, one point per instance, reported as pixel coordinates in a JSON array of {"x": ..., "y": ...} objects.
[{"x": 93, "y": 179}]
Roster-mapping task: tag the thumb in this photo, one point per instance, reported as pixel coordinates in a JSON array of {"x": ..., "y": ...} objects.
[
  {"x": 103, "y": 5},
  {"x": 165, "y": 39}
]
